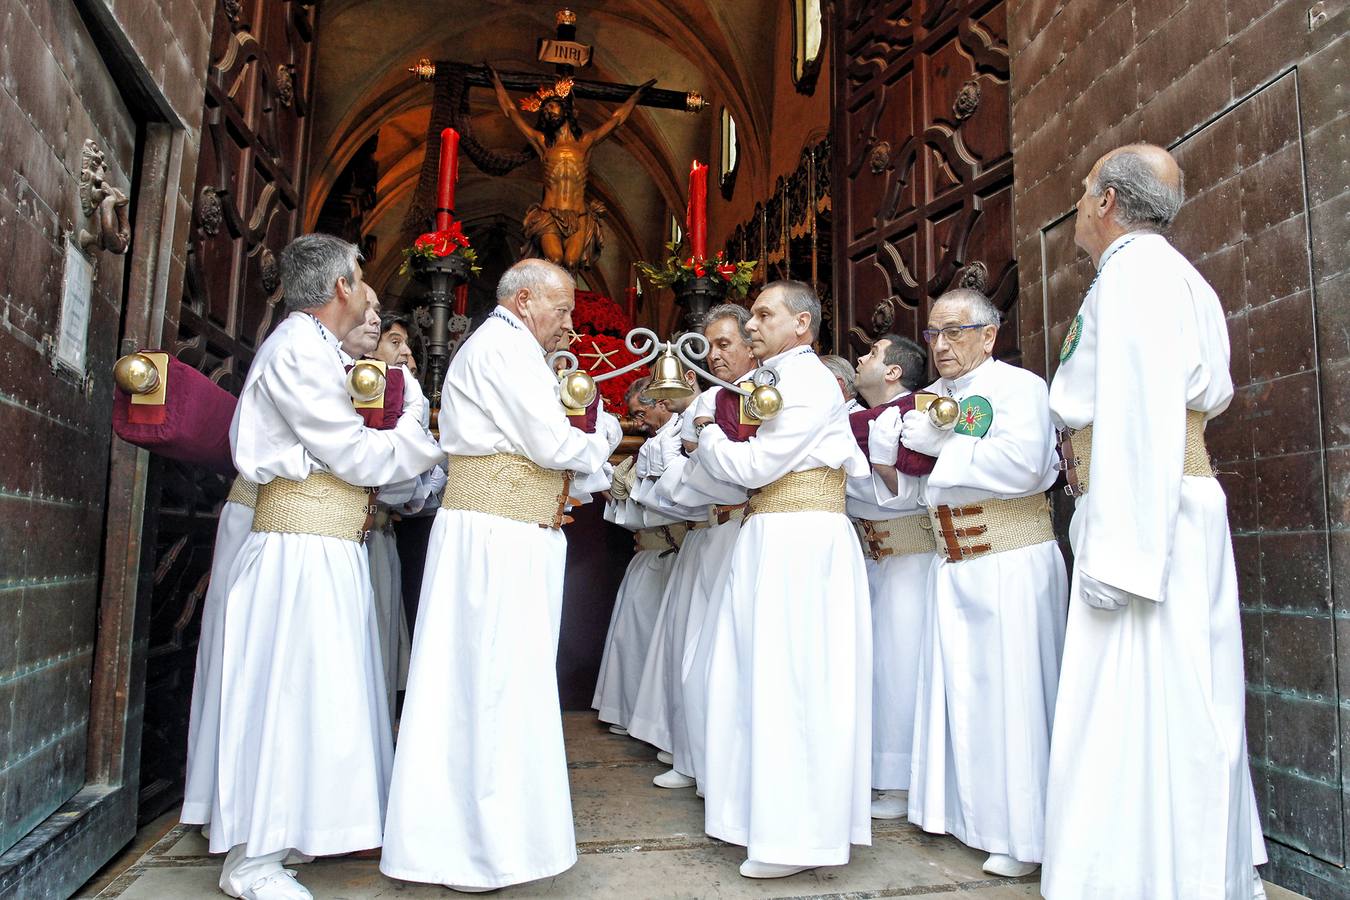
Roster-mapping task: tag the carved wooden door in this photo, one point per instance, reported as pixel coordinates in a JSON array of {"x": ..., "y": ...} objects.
[
  {"x": 922, "y": 162},
  {"x": 247, "y": 208}
]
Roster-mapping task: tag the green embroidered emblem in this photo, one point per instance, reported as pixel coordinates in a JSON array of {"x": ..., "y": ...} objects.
[
  {"x": 1071, "y": 339},
  {"x": 977, "y": 414}
]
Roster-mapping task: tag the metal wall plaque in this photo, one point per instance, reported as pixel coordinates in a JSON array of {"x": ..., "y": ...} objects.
[{"x": 76, "y": 296}]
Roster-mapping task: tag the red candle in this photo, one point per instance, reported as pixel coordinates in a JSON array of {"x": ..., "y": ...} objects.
[
  {"x": 696, "y": 219},
  {"x": 461, "y": 299},
  {"x": 449, "y": 174}
]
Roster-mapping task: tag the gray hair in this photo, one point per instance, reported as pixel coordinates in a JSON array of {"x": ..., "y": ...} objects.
[
  {"x": 1142, "y": 198},
  {"x": 798, "y": 297},
  {"x": 843, "y": 370},
  {"x": 729, "y": 311},
  {"x": 982, "y": 310},
  {"x": 311, "y": 266},
  {"x": 635, "y": 390},
  {"x": 532, "y": 275},
  {"x": 909, "y": 356}
]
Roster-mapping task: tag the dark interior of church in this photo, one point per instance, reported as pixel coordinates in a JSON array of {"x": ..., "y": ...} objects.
[{"x": 881, "y": 151}]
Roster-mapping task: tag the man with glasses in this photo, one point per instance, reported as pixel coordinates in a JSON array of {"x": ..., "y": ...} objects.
[
  {"x": 995, "y": 611},
  {"x": 1150, "y": 728}
]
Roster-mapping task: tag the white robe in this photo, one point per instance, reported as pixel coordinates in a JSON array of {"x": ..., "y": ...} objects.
[
  {"x": 304, "y": 750},
  {"x": 480, "y": 795},
  {"x": 658, "y": 714},
  {"x": 1150, "y": 793},
  {"x": 687, "y": 483},
  {"x": 995, "y": 625},
  {"x": 235, "y": 523},
  {"x": 638, "y": 601},
  {"x": 789, "y": 738},
  {"x": 899, "y": 588}
]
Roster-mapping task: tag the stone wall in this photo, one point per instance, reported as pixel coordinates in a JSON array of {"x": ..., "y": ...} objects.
[{"x": 1250, "y": 95}]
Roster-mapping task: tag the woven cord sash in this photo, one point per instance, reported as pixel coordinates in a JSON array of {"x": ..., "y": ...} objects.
[
  {"x": 322, "y": 505},
  {"x": 815, "y": 490},
  {"x": 990, "y": 526},
  {"x": 1075, "y": 451},
  {"x": 243, "y": 492},
  {"x": 902, "y": 536},
  {"x": 507, "y": 485}
]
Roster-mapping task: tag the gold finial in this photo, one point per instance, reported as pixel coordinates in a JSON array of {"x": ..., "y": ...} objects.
[
  {"x": 578, "y": 390},
  {"x": 424, "y": 69},
  {"x": 135, "y": 373},
  {"x": 943, "y": 413},
  {"x": 694, "y": 102},
  {"x": 365, "y": 383},
  {"x": 565, "y": 17}
]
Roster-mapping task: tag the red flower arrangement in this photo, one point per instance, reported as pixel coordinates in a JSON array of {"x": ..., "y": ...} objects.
[
  {"x": 674, "y": 271},
  {"x": 449, "y": 241},
  {"x": 600, "y": 326},
  {"x": 597, "y": 314}
]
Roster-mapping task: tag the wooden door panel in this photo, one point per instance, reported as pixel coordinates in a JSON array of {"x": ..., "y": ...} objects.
[{"x": 925, "y": 167}]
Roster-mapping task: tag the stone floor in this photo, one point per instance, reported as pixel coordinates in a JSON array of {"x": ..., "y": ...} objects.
[{"x": 635, "y": 841}]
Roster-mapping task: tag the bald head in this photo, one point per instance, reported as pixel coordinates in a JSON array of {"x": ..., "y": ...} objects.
[
  {"x": 542, "y": 296},
  {"x": 1137, "y": 187}
]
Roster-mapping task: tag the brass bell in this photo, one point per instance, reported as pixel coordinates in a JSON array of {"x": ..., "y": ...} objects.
[
  {"x": 135, "y": 373},
  {"x": 577, "y": 390},
  {"x": 365, "y": 382},
  {"x": 668, "y": 378},
  {"x": 764, "y": 402},
  {"x": 943, "y": 413}
]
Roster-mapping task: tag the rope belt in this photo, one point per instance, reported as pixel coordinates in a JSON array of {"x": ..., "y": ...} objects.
[
  {"x": 510, "y": 486},
  {"x": 666, "y": 538},
  {"x": 243, "y": 492},
  {"x": 322, "y": 504},
  {"x": 903, "y": 536},
  {"x": 990, "y": 526},
  {"x": 721, "y": 515},
  {"x": 815, "y": 490},
  {"x": 1075, "y": 453}
]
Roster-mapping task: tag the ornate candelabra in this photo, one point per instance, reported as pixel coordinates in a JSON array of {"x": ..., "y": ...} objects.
[{"x": 441, "y": 275}]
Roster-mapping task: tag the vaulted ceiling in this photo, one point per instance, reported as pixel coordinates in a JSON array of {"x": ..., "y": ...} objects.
[{"x": 724, "y": 50}]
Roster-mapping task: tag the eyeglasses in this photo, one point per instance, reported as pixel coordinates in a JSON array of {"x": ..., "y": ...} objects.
[{"x": 952, "y": 332}]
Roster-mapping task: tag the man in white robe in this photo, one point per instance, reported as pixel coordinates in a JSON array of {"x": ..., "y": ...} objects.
[
  {"x": 898, "y": 543},
  {"x": 304, "y": 748},
  {"x": 706, "y": 551},
  {"x": 1150, "y": 748},
  {"x": 656, "y": 537},
  {"x": 789, "y": 738},
  {"x": 996, "y": 594},
  {"x": 480, "y": 798}
]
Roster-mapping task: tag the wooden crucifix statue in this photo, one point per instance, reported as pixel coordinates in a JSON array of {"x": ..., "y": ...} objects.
[{"x": 563, "y": 227}]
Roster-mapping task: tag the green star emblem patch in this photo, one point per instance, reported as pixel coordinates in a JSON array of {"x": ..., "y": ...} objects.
[
  {"x": 976, "y": 415},
  {"x": 1071, "y": 339}
]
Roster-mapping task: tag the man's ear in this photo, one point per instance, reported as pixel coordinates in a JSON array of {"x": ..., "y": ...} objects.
[
  {"x": 1107, "y": 203},
  {"x": 803, "y": 323}
]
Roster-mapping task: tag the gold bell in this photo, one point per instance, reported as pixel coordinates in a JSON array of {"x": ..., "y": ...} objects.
[
  {"x": 136, "y": 373},
  {"x": 764, "y": 402},
  {"x": 943, "y": 413},
  {"x": 365, "y": 382},
  {"x": 668, "y": 378},
  {"x": 577, "y": 390}
]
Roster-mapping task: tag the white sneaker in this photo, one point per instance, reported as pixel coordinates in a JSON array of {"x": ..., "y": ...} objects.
[
  {"x": 666, "y": 759},
  {"x": 619, "y": 730},
  {"x": 277, "y": 886},
  {"x": 672, "y": 780},
  {"x": 753, "y": 868},
  {"x": 890, "y": 805},
  {"x": 1004, "y": 865}
]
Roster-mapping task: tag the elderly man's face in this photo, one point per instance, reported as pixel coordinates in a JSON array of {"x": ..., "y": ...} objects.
[
  {"x": 729, "y": 355},
  {"x": 547, "y": 311},
  {"x": 956, "y": 356},
  {"x": 773, "y": 327},
  {"x": 362, "y": 340}
]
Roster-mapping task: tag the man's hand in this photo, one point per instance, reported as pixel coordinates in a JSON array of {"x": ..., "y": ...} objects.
[
  {"x": 919, "y": 435},
  {"x": 1100, "y": 595}
]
